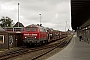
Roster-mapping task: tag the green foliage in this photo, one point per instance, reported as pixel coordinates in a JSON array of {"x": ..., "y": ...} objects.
[{"x": 6, "y": 22}]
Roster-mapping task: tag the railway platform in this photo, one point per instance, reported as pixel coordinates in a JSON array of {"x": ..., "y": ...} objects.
[{"x": 76, "y": 50}]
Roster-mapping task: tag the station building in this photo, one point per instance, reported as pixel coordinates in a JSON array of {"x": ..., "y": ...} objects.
[
  {"x": 3, "y": 38},
  {"x": 11, "y": 36}
]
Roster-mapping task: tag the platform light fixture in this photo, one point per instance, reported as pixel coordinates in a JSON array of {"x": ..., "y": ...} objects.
[{"x": 66, "y": 26}]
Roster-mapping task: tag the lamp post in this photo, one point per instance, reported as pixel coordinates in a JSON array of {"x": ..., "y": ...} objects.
[
  {"x": 40, "y": 19},
  {"x": 18, "y": 14},
  {"x": 66, "y": 26}
]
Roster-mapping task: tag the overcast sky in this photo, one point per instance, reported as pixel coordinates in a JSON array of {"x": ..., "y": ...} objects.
[{"x": 54, "y": 13}]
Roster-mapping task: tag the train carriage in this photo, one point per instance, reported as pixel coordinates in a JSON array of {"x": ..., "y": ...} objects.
[{"x": 63, "y": 34}]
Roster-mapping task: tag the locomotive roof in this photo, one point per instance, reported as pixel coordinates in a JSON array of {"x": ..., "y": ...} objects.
[{"x": 33, "y": 25}]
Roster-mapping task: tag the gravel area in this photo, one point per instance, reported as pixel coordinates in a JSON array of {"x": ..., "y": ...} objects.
[
  {"x": 33, "y": 54},
  {"x": 29, "y": 55},
  {"x": 2, "y": 51},
  {"x": 51, "y": 53}
]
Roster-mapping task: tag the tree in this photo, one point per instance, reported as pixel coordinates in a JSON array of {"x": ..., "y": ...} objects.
[{"x": 6, "y": 22}]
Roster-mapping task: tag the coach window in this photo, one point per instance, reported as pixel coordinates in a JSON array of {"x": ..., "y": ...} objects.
[{"x": 1, "y": 38}]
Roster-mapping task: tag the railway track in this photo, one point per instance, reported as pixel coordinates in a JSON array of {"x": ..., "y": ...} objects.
[
  {"x": 23, "y": 51},
  {"x": 60, "y": 44}
]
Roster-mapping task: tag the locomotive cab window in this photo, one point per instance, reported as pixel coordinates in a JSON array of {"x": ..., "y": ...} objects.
[
  {"x": 1, "y": 38},
  {"x": 27, "y": 28},
  {"x": 33, "y": 29}
]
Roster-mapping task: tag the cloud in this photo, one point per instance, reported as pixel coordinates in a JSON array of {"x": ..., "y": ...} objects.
[{"x": 54, "y": 13}]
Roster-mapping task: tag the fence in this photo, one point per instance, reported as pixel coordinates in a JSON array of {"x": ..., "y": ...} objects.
[{"x": 13, "y": 29}]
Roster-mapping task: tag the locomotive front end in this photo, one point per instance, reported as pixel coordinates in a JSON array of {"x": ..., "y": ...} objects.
[
  {"x": 30, "y": 38},
  {"x": 30, "y": 35}
]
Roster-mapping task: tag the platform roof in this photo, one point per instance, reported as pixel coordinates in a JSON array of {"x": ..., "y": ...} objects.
[{"x": 80, "y": 13}]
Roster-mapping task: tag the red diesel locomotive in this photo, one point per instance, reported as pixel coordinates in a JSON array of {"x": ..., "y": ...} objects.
[
  {"x": 37, "y": 34},
  {"x": 34, "y": 34}
]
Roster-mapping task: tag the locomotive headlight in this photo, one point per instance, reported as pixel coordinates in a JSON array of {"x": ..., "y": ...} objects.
[
  {"x": 25, "y": 37},
  {"x": 35, "y": 37}
]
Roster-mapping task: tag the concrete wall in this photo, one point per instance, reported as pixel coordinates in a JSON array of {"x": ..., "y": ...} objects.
[{"x": 85, "y": 35}]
